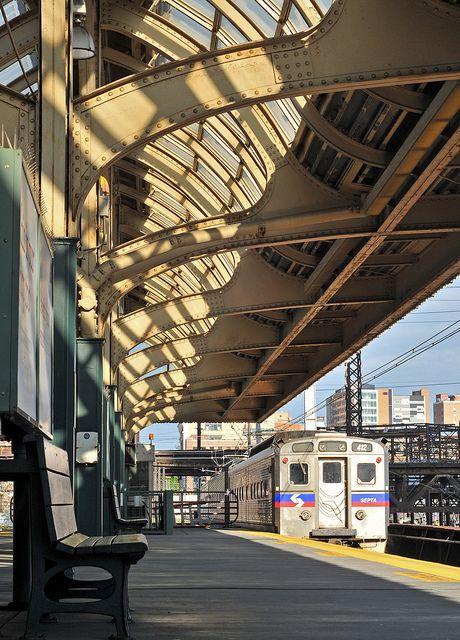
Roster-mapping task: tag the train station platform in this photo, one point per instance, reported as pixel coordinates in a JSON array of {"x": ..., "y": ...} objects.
[{"x": 203, "y": 584}]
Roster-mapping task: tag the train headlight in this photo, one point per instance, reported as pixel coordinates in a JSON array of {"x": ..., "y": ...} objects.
[
  {"x": 305, "y": 515},
  {"x": 360, "y": 514}
]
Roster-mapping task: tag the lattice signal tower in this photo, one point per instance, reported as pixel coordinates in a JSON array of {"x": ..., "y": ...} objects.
[{"x": 353, "y": 395}]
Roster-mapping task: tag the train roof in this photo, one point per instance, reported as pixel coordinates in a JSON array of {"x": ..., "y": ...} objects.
[{"x": 278, "y": 439}]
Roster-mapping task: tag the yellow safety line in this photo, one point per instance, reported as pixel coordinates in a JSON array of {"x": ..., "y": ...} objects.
[{"x": 419, "y": 566}]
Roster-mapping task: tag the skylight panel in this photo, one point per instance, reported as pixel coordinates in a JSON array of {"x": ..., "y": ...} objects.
[
  {"x": 296, "y": 22},
  {"x": 228, "y": 35},
  {"x": 258, "y": 15},
  {"x": 324, "y": 5},
  {"x": 285, "y": 117},
  {"x": 175, "y": 148},
  {"x": 214, "y": 181},
  {"x": 221, "y": 149},
  {"x": 13, "y": 9},
  {"x": 14, "y": 71},
  {"x": 186, "y": 23}
]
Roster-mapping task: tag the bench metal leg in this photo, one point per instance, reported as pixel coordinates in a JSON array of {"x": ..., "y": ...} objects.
[
  {"x": 51, "y": 584},
  {"x": 121, "y": 620}
]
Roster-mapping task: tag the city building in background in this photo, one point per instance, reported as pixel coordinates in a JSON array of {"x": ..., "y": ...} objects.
[
  {"x": 309, "y": 407},
  {"x": 446, "y": 409},
  {"x": 236, "y": 436},
  {"x": 409, "y": 409},
  {"x": 381, "y": 406}
]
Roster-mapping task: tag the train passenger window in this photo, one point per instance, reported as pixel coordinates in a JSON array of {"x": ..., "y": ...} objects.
[
  {"x": 332, "y": 472},
  {"x": 366, "y": 473},
  {"x": 298, "y": 473}
]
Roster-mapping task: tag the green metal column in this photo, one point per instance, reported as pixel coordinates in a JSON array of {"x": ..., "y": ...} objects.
[
  {"x": 122, "y": 469},
  {"x": 65, "y": 337},
  {"x": 112, "y": 458},
  {"x": 168, "y": 521},
  {"x": 109, "y": 461},
  {"x": 118, "y": 450},
  {"x": 90, "y": 419}
]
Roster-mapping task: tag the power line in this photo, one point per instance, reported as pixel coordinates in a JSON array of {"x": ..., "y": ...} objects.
[{"x": 406, "y": 357}]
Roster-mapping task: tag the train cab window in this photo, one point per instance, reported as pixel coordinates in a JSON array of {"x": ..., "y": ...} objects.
[
  {"x": 332, "y": 472},
  {"x": 298, "y": 473},
  {"x": 366, "y": 473}
]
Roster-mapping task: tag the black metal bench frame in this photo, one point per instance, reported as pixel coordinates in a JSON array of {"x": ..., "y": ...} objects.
[
  {"x": 118, "y": 524},
  {"x": 58, "y": 548}
]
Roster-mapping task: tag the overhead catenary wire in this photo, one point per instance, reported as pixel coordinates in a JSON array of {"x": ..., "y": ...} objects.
[{"x": 406, "y": 357}]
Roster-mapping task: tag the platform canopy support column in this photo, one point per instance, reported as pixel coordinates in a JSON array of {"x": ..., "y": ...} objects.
[
  {"x": 65, "y": 301},
  {"x": 90, "y": 420}
]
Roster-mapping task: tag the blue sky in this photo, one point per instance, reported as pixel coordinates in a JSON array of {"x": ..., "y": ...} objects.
[{"x": 438, "y": 368}]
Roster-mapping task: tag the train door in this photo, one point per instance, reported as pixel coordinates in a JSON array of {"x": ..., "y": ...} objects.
[{"x": 332, "y": 493}]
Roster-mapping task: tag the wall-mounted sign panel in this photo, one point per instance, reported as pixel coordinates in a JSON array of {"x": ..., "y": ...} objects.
[
  {"x": 45, "y": 334},
  {"x": 26, "y": 301},
  {"x": 27, "y": 305}
]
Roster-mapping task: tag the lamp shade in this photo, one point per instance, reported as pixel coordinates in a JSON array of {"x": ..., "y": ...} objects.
[{"x": 82, "y": 43}]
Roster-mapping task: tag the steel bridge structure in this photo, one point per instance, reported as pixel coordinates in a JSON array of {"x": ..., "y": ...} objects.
[
  {"x": 240, "y": 195},
  {"x": 424, "y": 472}
]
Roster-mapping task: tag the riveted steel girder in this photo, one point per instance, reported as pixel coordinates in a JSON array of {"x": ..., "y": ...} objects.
[
  {"x": 236, "y": 333},
  {"x": 264, "y": 389},
  {"x": 25, "y": 34},
  {"x": 398, "y": 183},
  {"x": 255, "y": 286},
  {"x": 147, "y": 27},
  {"x": 293, "y": 205},
  {"x": 228, "y": 334},
  {"x": 205, "y": 410},
  {"x": 18, "y": 123},
  {"x": 338, "y": 140},
  {"x": 330, "y": 57}
]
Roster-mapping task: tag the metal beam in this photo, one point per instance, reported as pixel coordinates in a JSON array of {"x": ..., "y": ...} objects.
[
  {"x": 415, "y": 152},
  {"x": 327, "y": 58},
  {"x": 25, "y": 32}
]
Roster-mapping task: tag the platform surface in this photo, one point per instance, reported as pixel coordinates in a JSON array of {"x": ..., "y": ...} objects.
[{"x": 209, "y": 585}]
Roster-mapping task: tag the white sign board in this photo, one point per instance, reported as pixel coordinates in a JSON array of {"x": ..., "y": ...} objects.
[
  {"x": 45, "y": 335},
  {"x": 27, "y": 305}
]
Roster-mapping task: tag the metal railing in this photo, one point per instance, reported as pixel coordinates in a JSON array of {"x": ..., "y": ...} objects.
[
  {"x": 215, "y": 508},
  {"x": 146, "y": 504}
]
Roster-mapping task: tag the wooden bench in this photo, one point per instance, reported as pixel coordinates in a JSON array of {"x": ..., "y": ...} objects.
[
  {"x": 59, "y": 550},
  {"x": 118, "y": 524}
]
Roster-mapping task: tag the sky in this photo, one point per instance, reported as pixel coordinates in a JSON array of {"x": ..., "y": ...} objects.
[{"x": 438, "y": 368}]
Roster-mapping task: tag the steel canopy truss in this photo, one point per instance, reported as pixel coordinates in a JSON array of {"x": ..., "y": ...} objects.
[{"x": 284, "y": 185}]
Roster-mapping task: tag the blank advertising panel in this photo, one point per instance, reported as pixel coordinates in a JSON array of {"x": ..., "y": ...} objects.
[
  {"x": 27, "y": 305},
  {"x": 26, "y": 301}
]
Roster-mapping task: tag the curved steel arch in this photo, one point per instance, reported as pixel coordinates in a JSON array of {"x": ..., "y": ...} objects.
[{"x": 325, "y": 59}]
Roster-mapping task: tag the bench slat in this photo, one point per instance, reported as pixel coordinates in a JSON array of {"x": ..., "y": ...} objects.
[
  {"x": 104, "y": 545},
  {"x": 61, "y": 521},
  {"x": 56, "y": 488},
  {"x": 53, "y": 458},
  {"x": 70, "y": 544},
  {"x": 130, "y": 543},
  {"x": 88, "y": 545}
]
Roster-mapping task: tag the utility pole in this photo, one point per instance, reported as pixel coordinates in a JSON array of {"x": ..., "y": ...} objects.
[
  {"x": 198, "y": 435},
  {"x": 353, "y": 395}
]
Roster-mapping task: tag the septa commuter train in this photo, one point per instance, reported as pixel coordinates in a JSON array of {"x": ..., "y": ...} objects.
[{"x": 320, "y": 484}]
